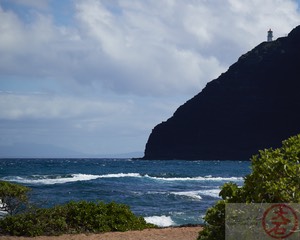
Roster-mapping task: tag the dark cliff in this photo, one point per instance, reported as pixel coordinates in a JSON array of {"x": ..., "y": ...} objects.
[{"x": 254, "y": 105}]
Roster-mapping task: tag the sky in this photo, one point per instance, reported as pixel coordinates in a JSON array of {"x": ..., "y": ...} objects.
[{"x": 96, "y": 76}]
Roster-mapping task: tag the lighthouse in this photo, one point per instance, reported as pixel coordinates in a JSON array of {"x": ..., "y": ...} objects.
[{"x": 270, "y": 36}]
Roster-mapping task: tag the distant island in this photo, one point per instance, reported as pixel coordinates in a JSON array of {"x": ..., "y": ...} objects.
[{"x": 252, "y": 106}]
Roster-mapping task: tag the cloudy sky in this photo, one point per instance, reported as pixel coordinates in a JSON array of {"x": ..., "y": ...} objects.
[{"x": 95, "y": 76}]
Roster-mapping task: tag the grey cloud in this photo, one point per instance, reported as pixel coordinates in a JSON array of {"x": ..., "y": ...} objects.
[{"x": 90, "y": 126}]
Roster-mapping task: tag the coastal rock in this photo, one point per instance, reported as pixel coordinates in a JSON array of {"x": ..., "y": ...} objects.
[{"x": 252, "y": 106}]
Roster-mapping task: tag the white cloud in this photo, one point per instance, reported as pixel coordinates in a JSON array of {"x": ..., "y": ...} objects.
[
  {"x": 149, "y": 47},
  {"x": 142, "y": 46}
]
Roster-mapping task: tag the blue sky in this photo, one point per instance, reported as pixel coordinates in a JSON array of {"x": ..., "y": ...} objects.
[{"x": 95, "y": 76}]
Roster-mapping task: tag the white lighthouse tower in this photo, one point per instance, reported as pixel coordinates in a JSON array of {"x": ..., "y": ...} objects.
[{"x": 270, "y": 36}]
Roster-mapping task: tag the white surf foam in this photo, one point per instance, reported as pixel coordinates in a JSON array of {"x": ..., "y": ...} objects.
[
  {"x": 161, "y": 221},
  {"x": 206, "y": 178},
  {"x": 119, "y": 175},
  {"x": 194, "y": 195},
  {"x": 59, "y": 179},
  {"x": 211, "y": 192},
  {"x": 48, "y": 180},
  {"x": 3, "y": 213},
  {"x": 190, "y": 194}
]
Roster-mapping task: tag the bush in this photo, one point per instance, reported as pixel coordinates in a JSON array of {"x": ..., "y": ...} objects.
[
  {"x": 275, "y": 178},
  {"x": 13, "y": 197},
  {"x": 74, "y": 217}
]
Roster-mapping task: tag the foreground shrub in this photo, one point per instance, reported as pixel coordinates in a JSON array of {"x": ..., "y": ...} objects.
[
  {"x": 13, "y": 197},
  {"x": 275, "y": 178},
  {"x": 74, "y": 217}
]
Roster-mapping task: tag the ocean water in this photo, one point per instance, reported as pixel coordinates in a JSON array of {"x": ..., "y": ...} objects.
[{"x": 167, "y": 193}]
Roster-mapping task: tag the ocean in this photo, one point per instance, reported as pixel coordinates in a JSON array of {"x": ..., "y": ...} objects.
[{"x": 166, "y": 193}]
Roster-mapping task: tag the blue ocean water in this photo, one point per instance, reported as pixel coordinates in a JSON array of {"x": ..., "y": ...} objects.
[{"x": 164, "y": 192}]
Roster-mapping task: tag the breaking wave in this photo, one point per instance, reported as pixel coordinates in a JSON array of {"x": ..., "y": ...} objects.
[
  {"x": 195, "y": 195},
  {"x": 206, "y": 178},
  {"x": 161, "y": 221},
  {"x": 61, "y": 179},
  {"x": 210, "y": 192}
]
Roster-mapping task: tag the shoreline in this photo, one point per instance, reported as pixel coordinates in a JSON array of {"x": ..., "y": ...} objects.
[{"x": 186, "y": 232}]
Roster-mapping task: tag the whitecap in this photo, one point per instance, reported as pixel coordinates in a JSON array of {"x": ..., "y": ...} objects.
[
  {"x": 193, "y": 195},
  {"x": 206, "y": 178},
  {"x": 61, "y": 179},
  {"x": 161, "y": 221},
  {"x": 190, "y": 194},
  {"x": 53, "y": 179},
  {"x": 211, "y": 192},
  {"x": 120, "y": 175}
]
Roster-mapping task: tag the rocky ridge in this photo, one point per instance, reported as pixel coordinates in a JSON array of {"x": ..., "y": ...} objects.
[{"x": 252, "y": 106}]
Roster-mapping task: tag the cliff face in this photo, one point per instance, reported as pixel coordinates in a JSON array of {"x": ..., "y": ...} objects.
[{"x": 254, "y": 105}]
